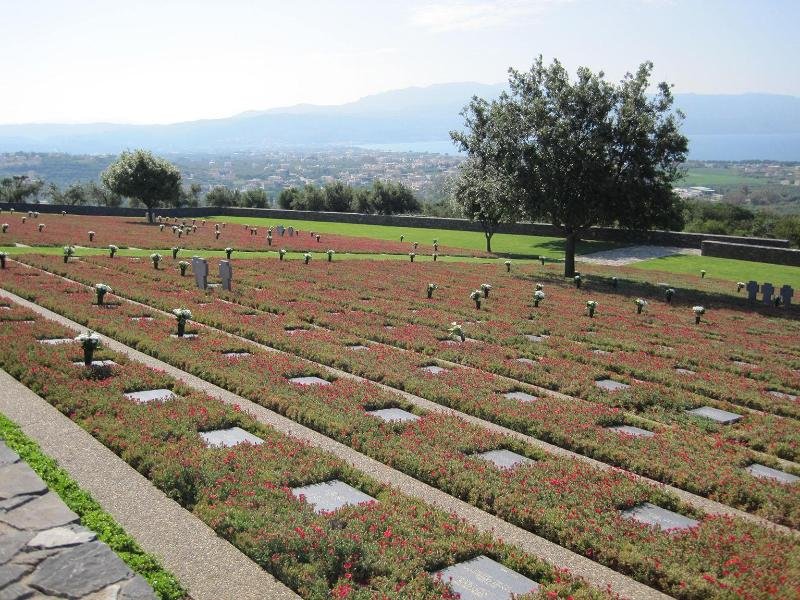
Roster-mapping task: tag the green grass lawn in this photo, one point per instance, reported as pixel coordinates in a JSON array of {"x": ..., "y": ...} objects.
[
  {"x": 725, "y": 268},
  {"x": 719, "y": 177},
  {"x": 515, "y": 246}
]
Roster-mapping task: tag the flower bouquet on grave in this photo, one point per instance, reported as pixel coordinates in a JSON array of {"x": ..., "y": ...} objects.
[
  {"x": 175, "y": 250},
  {"x": 281, "y": 253},
  {"x": 228, "y": 252},
  {"x": 330, "y": 254},
  {"x": 578, "y": 281},
  {"x": 182, "y": 315},
  {"x": 101, "y": 289},
  {"x": 702, "y": 273},
  {"x": 4, "y": 227},
  {"x": 431, "y": 288},
  {"x": 668, "y": 294},
  {"x": 156, "y": 258},
  {"x": 411, "y": 256},
  {"x": 307, "y": 257},
  {"x": 641, "y": 304},
  {"x": 739, "y": 286},
  {"x": 699, "y": 311},
  {"x": 458, "y": 331},
  {"x": 90, "y": 342},
  {"x": 435, "y": 256},
  {"x": 538, "y": 296},
  {"x": 68, "y": 251},
  {"x": 112, "y": 250},
  {"x": 182, "y": 265},
  {"x": 614, "y": 282},
  {"x": 91, "y": 236},
  {"x": 508, "y": 266},
  {"x": 476, "y": 298},
  {"x": 486, "y": 288},
  {"x": 591, "y": 306},
  {"x": 41, "y": 227}
]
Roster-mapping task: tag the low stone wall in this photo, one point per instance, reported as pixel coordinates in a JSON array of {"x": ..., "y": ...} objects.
[
  {"x": 765, "y": 254},
  {"x": 607, "y": 234}
]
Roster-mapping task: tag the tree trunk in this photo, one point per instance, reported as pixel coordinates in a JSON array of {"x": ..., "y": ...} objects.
[
  {"x": 569, "y": 254},
  {"x": 488, "y": 241},
  {"x": 149, "y": 214}
]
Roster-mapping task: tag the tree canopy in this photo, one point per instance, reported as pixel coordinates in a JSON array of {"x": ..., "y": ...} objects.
[
  {"x": 581, "y": 153},
  {"x": 145, "y": 177}
]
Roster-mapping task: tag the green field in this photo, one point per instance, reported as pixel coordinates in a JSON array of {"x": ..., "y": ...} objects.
[
  {"x": 507, "y": 245},
  {"x": 726, "y": 269},
  {"x": 712, "y": 177}
]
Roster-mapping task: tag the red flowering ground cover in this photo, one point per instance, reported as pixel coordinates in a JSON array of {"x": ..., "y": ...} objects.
[
  {"x": 62, "y": 230},
  {"x": 564, "y": 500},
  {"x": 708, "y": 460},
  {"x": 379, "y": 549}
]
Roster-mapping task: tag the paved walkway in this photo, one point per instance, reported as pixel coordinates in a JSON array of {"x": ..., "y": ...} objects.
[
  {"x": 633, "y": 254},
  {"x": 45, "y": 553}
]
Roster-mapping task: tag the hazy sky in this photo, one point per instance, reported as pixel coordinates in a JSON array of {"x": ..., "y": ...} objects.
[{"x": 158, "y": 61}]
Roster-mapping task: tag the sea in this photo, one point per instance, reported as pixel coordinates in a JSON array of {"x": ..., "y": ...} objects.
[{"x": 779, "y": 147}]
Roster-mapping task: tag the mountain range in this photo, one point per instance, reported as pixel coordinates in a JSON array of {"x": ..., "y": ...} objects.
[{"x": 723, "y": 127}]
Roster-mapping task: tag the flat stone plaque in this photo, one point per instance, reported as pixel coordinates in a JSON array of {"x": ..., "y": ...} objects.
[
  {"x": 295, "y": 331},
  {"x": 525, "y": 361},
  {"x": 225, "y": 438},
  {"x": 715, "y": 414},
  {"x": 331, "y": 495},
  {"x": 434, "y": 369},
  {"x": 95, "y": 363},
  {"x": 141, "y": 318},
  {"x": 236, "y": 354},
  {"x": 186, "y": 336},
  {"x": 782, "y": 395},
  {"x": 631, "y": 430},
  {"x": 764, "y": 472},
  {"x": 537, "y": 338},
  {"x": 683, "y": 371},
  {"x": 358, "y": 347},
  {"x": 146, "y": 396},
  {"x": 485, "y": 579},
  {"x": 650, "y": 514},
  {"x": 395, "y": 415},
  {"x": 309, "y": 381},
  {"x": 504, "y": 459},
  {"x": 745, "y": 365},
  {"x": 610, "y": 385},
  {"x": 56, "y": 341},
  {"x": 521, "y": 396}
]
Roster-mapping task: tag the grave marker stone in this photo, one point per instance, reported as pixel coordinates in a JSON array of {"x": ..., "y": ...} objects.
[
  {"x": 525, "y": 361},
  {"x": 765, "y": 472},
  {"x": 56, "y": 341},
  {"x": 309, "y": 381},
  {"x": 521, "y": 396},
  {"x": 610, "y": 385},
  {"x": 393, "y": 415},
  {"x": 225, "y": 274},
  {"x": 485, "y": 579},
  {"x": 782, "y": 395},
  {"x": 632, "y": 431},
  {"x": 331, "y": 495},
  {"x": 650, "y": 514},
  {"x": 434, "y": 369},
  {"x": 504, "y": 459},
  {"x": 786, "y": 295},
  {"x": 200, "y": 270},
  {"x": 723, "y": 417},
  {"x": 290, "y": 230},
  {"x": 752, "y": 291},
  {"x": 145, "y": 396},
  {"x": 767, "y": 289},
  {"x": 226, "y": 438},
  {"x": 281, "y": 230}
]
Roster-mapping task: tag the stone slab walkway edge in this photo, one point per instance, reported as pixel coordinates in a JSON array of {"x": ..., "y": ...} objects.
[
  {"x": 209, "y": 567},
  {"x": 580, "y": 566}
]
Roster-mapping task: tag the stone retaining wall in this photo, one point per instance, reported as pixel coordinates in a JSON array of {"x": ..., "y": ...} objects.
[{"x": 765, "y": 254}]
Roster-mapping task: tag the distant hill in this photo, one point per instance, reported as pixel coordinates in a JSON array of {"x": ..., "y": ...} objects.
[{"x": 724, "y": 127}]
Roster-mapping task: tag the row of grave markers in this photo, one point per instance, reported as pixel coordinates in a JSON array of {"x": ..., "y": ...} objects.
[
  {"x": 200, "y": 271},
  {"x": 767, "y": 290}
]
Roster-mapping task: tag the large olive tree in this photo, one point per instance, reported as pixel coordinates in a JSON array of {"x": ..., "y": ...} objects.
[
  {"x": 147, "y": 178},
  {"x": 582, "y": 153}
]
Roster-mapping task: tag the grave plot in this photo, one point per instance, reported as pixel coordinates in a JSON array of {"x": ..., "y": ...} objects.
[
  {"x": 576, "y": 418},
  {"x": 235, "y": 483},
  {"x": 423, "y": 451}
]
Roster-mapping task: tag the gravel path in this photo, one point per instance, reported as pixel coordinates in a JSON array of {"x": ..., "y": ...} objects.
[{"x": 633, "y": 254}]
